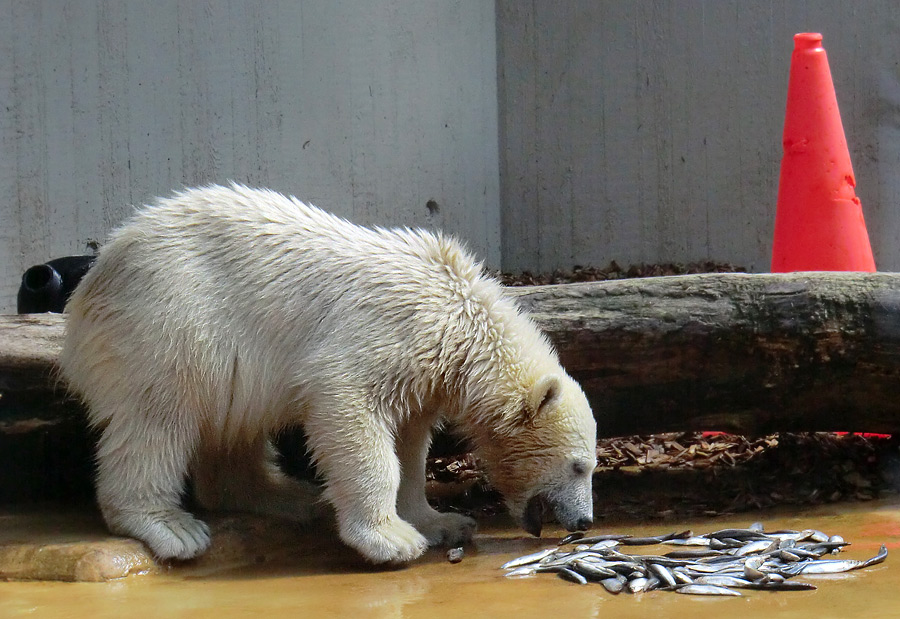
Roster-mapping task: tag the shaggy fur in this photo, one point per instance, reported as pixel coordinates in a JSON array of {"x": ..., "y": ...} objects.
[{"x": 215, "y": 318}]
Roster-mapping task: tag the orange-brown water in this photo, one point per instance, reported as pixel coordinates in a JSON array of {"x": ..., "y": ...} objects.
[{"x": 333, "y": 583}]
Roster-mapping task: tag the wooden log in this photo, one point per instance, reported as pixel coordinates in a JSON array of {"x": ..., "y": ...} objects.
[
  {"x": 743, "y": 353},
  {"x": 749, "y": 354}
]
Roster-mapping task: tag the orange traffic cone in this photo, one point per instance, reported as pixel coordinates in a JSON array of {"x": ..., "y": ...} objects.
[{"x": 819, "y": 223}]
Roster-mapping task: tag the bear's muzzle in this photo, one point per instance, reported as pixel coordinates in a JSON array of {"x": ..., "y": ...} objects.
[{"x": 572, "y": 517}]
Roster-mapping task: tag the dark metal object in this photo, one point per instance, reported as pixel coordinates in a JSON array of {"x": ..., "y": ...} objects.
[{"x": 46, "y": 287}]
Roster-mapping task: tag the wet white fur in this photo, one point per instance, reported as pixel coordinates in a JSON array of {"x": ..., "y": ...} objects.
[{"x": 217, "y": 317}]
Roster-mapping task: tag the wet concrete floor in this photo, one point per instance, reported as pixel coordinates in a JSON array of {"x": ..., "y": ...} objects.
[{"x": 326, "y": 580}]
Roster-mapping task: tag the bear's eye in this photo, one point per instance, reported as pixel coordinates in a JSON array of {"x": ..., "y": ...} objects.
[{"x": 579, "y": 468}]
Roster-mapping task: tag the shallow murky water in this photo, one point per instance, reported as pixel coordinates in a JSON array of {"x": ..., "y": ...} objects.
[{"x": 333, "y": 583}]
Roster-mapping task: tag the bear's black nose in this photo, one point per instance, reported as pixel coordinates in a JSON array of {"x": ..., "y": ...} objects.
[{"x": 583, "y": 524}]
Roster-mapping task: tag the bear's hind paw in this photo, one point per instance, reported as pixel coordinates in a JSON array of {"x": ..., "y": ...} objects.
[{"x": 448, "y": 529}]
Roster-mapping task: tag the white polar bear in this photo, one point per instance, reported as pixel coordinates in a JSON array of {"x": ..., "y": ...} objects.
[{"x": 214, "y": 319}]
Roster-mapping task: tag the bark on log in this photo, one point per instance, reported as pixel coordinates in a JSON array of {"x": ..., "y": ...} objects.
[{"x": 750, "y": 354}]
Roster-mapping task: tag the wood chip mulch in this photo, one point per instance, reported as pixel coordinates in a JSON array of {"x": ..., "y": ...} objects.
[{"x": 680, "y": 475}]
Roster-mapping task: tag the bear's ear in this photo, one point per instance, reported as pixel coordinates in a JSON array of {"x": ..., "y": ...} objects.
[{"x": 543, "y": 397}]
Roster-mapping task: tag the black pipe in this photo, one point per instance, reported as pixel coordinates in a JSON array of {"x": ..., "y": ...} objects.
[{"x": 46, "y": 287}]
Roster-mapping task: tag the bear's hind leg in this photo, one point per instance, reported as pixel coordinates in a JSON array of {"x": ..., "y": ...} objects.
[
  {"x": 243, "y": 476},
  {"x": 141, "y": 468},
  {"x": 446, "y": 529},
  {"x": 362, "y": 474}
]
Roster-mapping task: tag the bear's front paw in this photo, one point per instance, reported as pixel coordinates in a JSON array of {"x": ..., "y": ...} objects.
[
  {"x": 448, "y": 529},
  {"x": 172, "y": 534},
  {"x": 394, "y": 541}
]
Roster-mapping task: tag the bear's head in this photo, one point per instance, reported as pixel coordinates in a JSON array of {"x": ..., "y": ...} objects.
[{"x": 542, "y": 454}]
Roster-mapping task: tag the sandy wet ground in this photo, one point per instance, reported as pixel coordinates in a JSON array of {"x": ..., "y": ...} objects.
[{"x": 325, "y": 579}]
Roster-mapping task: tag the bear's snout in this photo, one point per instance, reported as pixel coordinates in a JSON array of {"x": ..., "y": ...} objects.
[{"x": 571, "y": 512}]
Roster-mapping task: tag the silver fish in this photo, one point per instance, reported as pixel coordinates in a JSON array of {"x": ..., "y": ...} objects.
[
  {"x": 527, "y": 559},
  {"x": 688, "y": 541},
  {"x": 881, "y": 556},
  {"x": 755, "y": 547},
  {"x": 571, "y": 537},
  {"x": 663, "y": 573},
  {"x": 693, "y": 554},
  {"x": 521, "y": 572},
  {"x": 829, "y": 566},
  {"x": 705, "y": 590},
  {"x": 752, "y": 568},
  {"x": 593, "y": 539},
  {"x": 614, "y": 585},
  {"x": 603, "y": 545},
  {"x": 592, "y": 571},
  {"x": 572, "y": 576},
  {"x": 655, "y": 539},
  {"x": 738, "y": 534},
  {"x": 682, "y": 576},
  {"x": 722, "y": 581},
  {"x": 638, "y": 585}
]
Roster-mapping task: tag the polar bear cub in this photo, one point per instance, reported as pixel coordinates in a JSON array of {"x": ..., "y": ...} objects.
[{"x": 221, "y": 315}]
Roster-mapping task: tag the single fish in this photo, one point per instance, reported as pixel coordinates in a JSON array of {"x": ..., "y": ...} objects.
[
  {"x": 571, "y": 537},
  {"x": 689, "y": 541},
  {"x": 738, "y": 534},
  {"x": 694, "y": 589},
  {"x": 593, "y": 539},
  {"x": 663, "y": 573},
  {"x": 821, "y": 548},
  {"x": 614, "y": 585},
  {"x": 655, "y": 539},
  {"x": 752, "y": 569},
  {"x": 527, "y": 559},
  {"x": 565, "y": 559},
  {"x": 881, "y": 556},
  {"x": 591, "y": 571},
  {"x": 693, "y": 554},
  {"x": 638, "y": 585},
  {"x": 608, "y": 543},
  {"x": 722, "y": 581},
  {"x": 724, "y": 543},
  {"x": 816, "y": 535},
  {"x": 759, "y": 546},
  {"x": 682, "y": 576},
  {"x": 521, "y": 572},
  {"x": 572, "y": 576},
  {"x": 781, "y": 585},
  {"x": 830, "y": 566}
]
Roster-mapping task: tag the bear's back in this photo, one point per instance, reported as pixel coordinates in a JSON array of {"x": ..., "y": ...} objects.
[{"x": 219, "y": 272}]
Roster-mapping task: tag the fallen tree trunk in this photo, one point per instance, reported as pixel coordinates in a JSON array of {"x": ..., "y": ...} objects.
[{"x": 749, "y": 354}]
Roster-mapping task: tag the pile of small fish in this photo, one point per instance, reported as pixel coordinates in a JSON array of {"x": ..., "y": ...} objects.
[{"x": 717, "y": 563}]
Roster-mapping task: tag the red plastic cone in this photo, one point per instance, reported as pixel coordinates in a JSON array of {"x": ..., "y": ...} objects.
[{"x": 819, "y": 223}]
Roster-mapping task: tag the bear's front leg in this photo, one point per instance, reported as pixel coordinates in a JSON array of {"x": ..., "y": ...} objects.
[
  {"x": 447, "y": 529},
  {"x": 355, "y": 453}
]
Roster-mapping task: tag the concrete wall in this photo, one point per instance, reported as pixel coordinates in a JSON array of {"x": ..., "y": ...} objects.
[
  {"x": 546, "y": 133},
  {"x": 370, "y": 110},
  {"x": 650, "y": 131}
]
